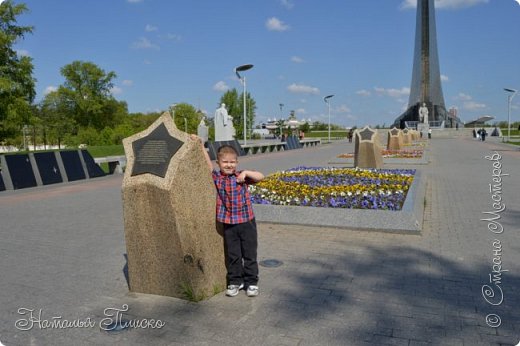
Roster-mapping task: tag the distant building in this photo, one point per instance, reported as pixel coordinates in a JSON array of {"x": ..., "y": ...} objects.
[
  {"x": 290, "y": 123},
  {"x": 453, "y": 112},
  {"x": 479, "y": 121}
]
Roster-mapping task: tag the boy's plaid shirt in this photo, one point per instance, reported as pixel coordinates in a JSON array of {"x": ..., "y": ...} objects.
[{"x": 233, "y": 200}]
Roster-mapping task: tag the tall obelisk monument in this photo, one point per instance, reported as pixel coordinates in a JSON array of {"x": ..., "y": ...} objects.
[{"x": 426, "y": 78}]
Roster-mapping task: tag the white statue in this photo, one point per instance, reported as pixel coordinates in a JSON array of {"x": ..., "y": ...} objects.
[
  {"x": 423, "y": 113},
  {"x": 224, "y": 130},
  {"x": 202, "y": 131}
]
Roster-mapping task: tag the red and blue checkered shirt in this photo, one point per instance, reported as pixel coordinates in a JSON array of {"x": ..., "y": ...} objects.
[{"x": 233, "y": 199}]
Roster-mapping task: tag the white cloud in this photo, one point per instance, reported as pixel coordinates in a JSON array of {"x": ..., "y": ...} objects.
[
  {"x": 468, "y": 103},
  {"x": 221, "y": 86},
  {"x": 127, "y": 82},
  {"x": 275, "y": 24},
  {"x": 134, "y": 1},
  {"x": 115, "y": 90},
  {"x": 49, "y": 89},
  {"x": 147, "y": 62},
  {"x": 288, "y": 4},
  {"x": 303, "y": 89},
  {"x": 473, "y": 106},
  {"x": 301, "y": 111},
  {"x": 22, "y": 52},
  {"x": 342, "y": 109},
  {"x": 444, "y": 78},
  {"x": 144, "y": 43},
  {"x": 297, "y": 59},
  {"x": 392, "y": 92},
  {"x": 150, "y": 28},
  {"x": 363, "y": 92},
  {"x": 303, "y": 100},
  {"x": 450, "y": 4},
  {"x": 174, "y": 37},
  {"x": 463, "y": 97}
]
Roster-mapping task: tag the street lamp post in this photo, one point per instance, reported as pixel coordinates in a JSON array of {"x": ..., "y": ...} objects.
[
  {"x": 24, "y": 129},
  {"x": 281, "y": 117},
  {"x": 185, "y": 125},
  {"x": 510, "y": 96},
  {"x": 242, "y": 68},
  {"x": 172, "y": 110},
  {"x": 326, "y": 99}
]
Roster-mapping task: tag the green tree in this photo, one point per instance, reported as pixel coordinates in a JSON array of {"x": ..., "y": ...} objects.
[
  {"x": 86, "y": 93},
  {"x": 55, "y": 120},
  {"x": 280, "y": 126},
  {"x": 319, "y": 126},
  {"x": 122, "y": 131},
  {"x": 140, "y": 121},
  {"x": 251, "y": 109},
  {"x": 305, "y": 127},
  {"x": 210, "y": 123},
  {"x": 235, "y": 107},
  {"x": 187, "y": 117},
  {"x": 16, "y": 80},
  {"x": 233, "y": 104}
]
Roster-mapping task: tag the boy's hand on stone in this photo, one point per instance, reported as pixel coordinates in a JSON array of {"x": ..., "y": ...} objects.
[{"x": 194, "y": 137}]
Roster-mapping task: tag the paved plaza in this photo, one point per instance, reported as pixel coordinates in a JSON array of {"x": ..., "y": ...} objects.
[{"x": 62, "y": 254}]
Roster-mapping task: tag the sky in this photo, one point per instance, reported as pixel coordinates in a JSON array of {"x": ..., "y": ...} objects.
[{"x": 361, "y": 51}]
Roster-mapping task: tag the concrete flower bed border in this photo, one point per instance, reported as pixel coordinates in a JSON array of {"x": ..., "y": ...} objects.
[{"x": 408, "y": 220}]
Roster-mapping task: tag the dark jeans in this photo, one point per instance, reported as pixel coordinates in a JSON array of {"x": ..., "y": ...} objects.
[{"x": 241, "y": 243}]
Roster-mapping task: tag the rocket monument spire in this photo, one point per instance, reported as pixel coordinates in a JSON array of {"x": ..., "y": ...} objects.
[{"x": 426, "y": 78}]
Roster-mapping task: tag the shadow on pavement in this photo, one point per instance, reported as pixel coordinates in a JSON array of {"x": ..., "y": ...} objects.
[{"x": 398, "y": 294}]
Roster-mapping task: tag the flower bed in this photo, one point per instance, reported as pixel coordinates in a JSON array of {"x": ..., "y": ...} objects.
[
  {"x": 335, "y": 188},
  {"x": 393, "y": 154}
]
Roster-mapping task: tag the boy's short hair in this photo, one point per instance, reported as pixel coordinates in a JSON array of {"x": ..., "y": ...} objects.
[{"x": 226, "y": 149}]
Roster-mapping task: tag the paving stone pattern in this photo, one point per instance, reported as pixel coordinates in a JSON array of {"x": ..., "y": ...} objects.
[{"x": 62, "y": 251}]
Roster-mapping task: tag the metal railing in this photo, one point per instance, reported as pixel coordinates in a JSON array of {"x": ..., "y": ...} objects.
[{"x": 438, "y": 124}]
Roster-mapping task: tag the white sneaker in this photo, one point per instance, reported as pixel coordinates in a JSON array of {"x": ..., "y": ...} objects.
[
  {"x": 252, "y": 291},
  {"x": 232, "y": 290}
]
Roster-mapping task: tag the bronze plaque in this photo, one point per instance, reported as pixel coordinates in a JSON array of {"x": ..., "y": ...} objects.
[
  {"x": 366, "y": 134},
  {"x": 153, "y": 153}
]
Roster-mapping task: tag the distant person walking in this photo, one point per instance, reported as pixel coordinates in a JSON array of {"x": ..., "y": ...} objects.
[
  {"x": 483, "y": 134},
  {"x": 429, "y": 133}
]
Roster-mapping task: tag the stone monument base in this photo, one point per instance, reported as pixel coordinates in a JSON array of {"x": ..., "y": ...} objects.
[
  {"x": 423, "y": 129},
  {"x": 393, "y": 144},
  {"x": 173, "y": 246},
  {"x": 367, "y": 151}
]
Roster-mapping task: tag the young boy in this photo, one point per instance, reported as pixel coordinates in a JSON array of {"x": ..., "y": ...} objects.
[{"x": 235, "y": 212}]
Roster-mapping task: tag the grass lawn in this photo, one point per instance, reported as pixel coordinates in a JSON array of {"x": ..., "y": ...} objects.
[
  {"x": 514, "y": 132},
  {"x": 106, "y": 150}
]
